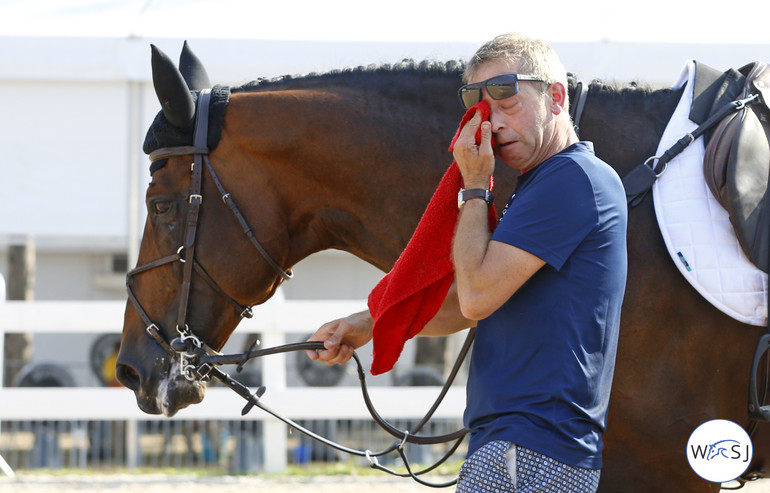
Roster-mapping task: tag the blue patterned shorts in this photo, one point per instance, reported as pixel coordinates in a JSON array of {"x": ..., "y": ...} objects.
[{"x": 502, "y": 467}]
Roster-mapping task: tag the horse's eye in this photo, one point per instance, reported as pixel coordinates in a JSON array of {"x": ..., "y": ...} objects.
[{"x": 161, "y": 207}]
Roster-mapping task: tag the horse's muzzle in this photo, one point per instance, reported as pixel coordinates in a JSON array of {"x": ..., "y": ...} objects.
[{"x": 160, "y": 388}]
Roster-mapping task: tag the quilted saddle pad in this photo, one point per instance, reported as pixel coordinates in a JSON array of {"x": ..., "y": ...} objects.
[{"x": 696, "y": 228}]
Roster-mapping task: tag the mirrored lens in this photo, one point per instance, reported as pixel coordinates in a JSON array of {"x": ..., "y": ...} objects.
[
  {"x": 470, "y": 96},
  {"x": 502, "y": 87},
  {"x": 499, "y": 87}
]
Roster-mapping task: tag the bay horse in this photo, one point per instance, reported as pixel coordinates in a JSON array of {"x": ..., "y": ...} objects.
[{"x": 348, "y": 160}]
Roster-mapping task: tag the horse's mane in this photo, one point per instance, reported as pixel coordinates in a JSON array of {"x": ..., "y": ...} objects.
[
  {"x": 451, "y": 70},
  {"x": 431, "y": 68},
  {"x": 626, "y": 91},
  {"x": 626, "y": 95}
]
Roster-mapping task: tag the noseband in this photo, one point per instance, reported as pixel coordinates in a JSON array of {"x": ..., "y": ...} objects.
[{"x": 187, "y": 344}]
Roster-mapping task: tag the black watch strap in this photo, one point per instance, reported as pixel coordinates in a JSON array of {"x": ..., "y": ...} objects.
[{"x": 474, "y": 193}]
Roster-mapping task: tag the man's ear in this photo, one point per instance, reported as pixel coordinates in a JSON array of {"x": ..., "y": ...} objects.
[{"x": 558, "y": 94}]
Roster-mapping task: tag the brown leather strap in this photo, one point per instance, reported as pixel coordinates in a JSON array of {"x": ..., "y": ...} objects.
[
  {"x": 716, "y": 157},
  {"x": 154, "y": 332},
  {"x": 195, "y": 199},
  {"x": 167, "y": 152},
  {"x": 578, "y": 105},
  {"x": 144, "y": 268},
  {"x": 228, "y": 199},
  {"x": 186, "y": 252},
  {"x": 244, "y": 310}
]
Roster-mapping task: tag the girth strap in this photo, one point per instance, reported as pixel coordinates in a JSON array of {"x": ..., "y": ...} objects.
[{"x": 639, "y": 180}]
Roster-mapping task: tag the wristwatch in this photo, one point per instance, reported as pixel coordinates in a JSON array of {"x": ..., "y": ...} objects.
[{"x": 473, "y": 193}]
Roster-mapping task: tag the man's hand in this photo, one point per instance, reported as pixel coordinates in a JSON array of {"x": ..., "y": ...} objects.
[
  {"x": 476, "y": 162},
  {"x": 341, "y": 337}
]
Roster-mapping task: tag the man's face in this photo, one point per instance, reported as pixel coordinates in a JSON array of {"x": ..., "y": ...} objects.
[{"x": 523, "y": 124}]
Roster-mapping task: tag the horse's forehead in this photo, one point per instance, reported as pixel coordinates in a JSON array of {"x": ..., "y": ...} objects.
[{"x": 173, "y": 176}]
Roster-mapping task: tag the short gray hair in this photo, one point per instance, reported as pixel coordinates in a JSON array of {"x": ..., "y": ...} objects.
[{"x": 535, "y": 57}]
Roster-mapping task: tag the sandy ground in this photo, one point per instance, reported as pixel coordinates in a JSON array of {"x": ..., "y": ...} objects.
[
  {"x": 163, "y": 483},
  {"x": 160, "y": 483}
]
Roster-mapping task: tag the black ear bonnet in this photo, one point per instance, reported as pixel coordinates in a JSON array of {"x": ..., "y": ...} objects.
[
  {"x": 163, "y": 134},
  {"x": 177, "y": 90}
]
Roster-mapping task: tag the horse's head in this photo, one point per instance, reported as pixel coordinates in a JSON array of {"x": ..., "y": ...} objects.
[{"x": 197, "y": 272}]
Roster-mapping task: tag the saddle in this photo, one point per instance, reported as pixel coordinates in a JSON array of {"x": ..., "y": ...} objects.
[
  {"x": 736, "y": 166},
  {"x": 737, "y": 160}
]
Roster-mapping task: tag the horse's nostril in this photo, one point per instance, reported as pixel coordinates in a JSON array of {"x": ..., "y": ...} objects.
[{"x": 127, "y": 376}]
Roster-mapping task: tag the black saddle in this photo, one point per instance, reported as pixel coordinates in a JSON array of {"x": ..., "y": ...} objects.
[
  {"x": 736, "y": 168},
  {"x": 733, "y": 116},
  {"x": 737, "y": 161}
]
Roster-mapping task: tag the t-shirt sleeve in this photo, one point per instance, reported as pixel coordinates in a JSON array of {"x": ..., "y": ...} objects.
[{"x": 552, "y": 215}]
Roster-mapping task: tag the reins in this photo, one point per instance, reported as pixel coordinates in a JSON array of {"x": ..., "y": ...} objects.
[
  {"x": 198, "y": 361},
  {"x": 211, "y": 363}
]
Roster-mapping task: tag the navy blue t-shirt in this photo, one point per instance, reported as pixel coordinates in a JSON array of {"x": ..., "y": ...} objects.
[{"x": 542, "y": 364}]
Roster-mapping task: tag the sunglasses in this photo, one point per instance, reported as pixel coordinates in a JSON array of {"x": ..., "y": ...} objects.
[{"x": 499, "y": 87}]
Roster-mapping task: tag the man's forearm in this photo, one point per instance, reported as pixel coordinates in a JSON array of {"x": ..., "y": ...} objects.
[
  {"x": 469, "y": 249},
  {"x": 449, "y": 319}
]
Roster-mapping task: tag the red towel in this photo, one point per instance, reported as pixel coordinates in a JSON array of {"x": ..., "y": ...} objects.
[{"x": 409, "y": 296}]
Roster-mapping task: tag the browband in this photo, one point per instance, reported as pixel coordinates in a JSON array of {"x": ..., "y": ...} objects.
[{"x": 167, "y": 152}]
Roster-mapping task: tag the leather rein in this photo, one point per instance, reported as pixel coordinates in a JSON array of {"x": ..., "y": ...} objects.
[{"x": 200, "y": 362}]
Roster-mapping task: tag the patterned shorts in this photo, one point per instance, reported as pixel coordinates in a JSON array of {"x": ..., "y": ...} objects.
[{"x": 502, "y": 467}]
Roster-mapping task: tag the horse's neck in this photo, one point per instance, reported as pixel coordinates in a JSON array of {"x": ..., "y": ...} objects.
[
  {"x": 351, "y": 174},
  {"x": 625, "y": 125},
  {"x": 354, "y": 171}
]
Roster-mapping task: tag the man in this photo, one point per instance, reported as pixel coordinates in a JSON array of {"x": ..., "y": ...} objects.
[{"x": 546, "y": 287}]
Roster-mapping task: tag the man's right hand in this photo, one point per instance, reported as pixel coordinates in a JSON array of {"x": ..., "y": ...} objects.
[{"x": 341, "y": 337}]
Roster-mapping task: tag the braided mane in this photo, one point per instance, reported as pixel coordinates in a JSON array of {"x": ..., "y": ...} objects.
[{"x": 407, "y": 66}]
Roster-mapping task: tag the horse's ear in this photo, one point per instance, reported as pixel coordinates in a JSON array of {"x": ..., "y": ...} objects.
[
  {"x": 192, "y": 70},
  {"x": 174, "y": 95}
]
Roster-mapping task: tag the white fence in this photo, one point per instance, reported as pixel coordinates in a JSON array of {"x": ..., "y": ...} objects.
[{"x": 273, "y": 320}]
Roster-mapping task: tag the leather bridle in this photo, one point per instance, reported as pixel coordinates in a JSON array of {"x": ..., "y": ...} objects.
[
  {"x": 199, "y": 362},
  {"x": 183, "y": 346}
]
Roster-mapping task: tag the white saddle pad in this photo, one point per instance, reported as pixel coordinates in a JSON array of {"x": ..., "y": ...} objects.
[{"x": 697, "y": 229}]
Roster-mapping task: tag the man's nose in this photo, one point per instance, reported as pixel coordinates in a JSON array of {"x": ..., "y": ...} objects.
[{"x": 496, "y": 118}]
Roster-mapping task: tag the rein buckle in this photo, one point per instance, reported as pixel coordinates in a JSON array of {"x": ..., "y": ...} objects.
[{"x": 203, "y": 372}]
